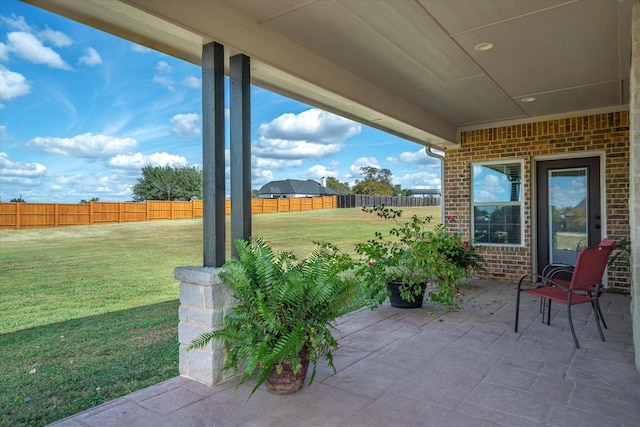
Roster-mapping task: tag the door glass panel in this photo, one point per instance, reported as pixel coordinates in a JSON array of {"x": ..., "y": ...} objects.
[{"x": 568, "y": 203}]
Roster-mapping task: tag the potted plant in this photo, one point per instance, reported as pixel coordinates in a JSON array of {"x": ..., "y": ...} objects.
[
  {"x": 622, "y": 256},
  {"x": 413, "y": 256},
  {"x": 286, "y": 312}
]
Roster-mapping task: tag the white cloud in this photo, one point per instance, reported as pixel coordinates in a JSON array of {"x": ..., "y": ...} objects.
[
  {"x": 312, "y": 134},
  {"x": 65, "y": 180},
  {"x": 87, "y": 145},
  {"x": 362, "y": 162},
  {"x": 19, "y": 172},
  {"x": 4, "y": 52},
  {"x": 564, "y": 191},
  {"x": 428, "y": 174},
  {"x": 261, "y": 177},
  {"x": 192, "y": 82},
  {"x": 28, "y": 47},
  {"x": 489, "y": 188},
  {"x": 318, "y": 172},
  {"x": 288, "y": 149},
  {"x": 419, "y": 180},
  {"x": 311, "y": 125},
  {"x": 419, "y": 158},
  {"x": 163, "y": 67},
  {"x": 91, "y": 57},
  {"x": 138, "y": 160},
  {"x": 165, "y": 81},
  {"x": 116, "y": 186},
  {"x": 262, "y": 168},
  {"x": 58, "y": 38},
  {"x": 186, "y": 125},
  {"x": 264, "y": 163},
  {"x": 16, "y": 23},
  {"x": 140, "y": 49},
  {"x": 163, "y": 77},
  {"x": 19, "y": 180},
  {"x": 12, "y": 85}
]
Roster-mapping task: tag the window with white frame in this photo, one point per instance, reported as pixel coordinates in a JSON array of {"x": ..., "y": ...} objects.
[{"x": 496, "y": 203}]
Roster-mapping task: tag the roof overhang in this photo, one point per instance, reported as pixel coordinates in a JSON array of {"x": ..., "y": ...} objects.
[{"x": 406, "y": 67}]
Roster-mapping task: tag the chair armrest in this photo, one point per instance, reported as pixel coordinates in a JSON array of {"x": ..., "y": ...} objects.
[
  {"x": 552, "y": 270},
  {"x": 545, "y": 281}
]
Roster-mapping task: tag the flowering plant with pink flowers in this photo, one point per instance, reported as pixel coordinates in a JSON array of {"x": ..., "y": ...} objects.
[{"x": 417, "y": 254}]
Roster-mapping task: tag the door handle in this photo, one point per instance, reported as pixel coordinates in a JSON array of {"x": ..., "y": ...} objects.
[
  {"x": 597, "y": 226},
  {"x": 596, "y": 217}
]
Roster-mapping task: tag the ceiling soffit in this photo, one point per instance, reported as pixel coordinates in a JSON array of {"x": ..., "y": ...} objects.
[{"x": 407, "y": 67}]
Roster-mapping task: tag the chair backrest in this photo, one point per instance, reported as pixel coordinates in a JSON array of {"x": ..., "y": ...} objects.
[
  {"x": 590, "y": 266},
  {"x": 607, "y": 242}
]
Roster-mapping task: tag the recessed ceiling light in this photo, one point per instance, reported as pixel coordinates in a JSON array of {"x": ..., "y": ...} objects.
[
  {"x": 528, "y": 99},
  {"x": 481, "y": 47}
]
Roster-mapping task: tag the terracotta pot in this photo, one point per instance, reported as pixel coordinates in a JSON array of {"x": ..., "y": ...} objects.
[
  {"x": 396, "y": 300},
  {"x": 287, "y": 382}
]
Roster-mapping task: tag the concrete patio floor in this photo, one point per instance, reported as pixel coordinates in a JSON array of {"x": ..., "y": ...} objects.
[{"x": 426, "y": 367}]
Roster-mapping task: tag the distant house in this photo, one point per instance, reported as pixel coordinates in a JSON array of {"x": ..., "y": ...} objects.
[
  {"x": 425, "y": 192},
  {"x": 294, "y": 188}
]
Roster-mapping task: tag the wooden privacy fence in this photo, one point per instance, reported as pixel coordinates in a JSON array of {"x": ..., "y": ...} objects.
[
  {"x": 359, "y": 200},
  {"x": 15, "y": 216}
]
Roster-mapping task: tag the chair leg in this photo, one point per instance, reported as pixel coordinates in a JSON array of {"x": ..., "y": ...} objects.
[
  {"x": 604, "y": 323},
  {"x": 517, "y": 308},
  {"x": 596, "y": 310},
  {"x": 601, "y": 316},
  {"x": 573, "y": 332},
  {"x": 548, "y": 314}
]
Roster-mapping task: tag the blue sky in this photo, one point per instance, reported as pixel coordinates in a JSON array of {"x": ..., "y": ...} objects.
[{"x": 81, "y": 112}]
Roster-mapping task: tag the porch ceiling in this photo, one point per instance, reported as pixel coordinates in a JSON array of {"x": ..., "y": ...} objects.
[{"x": 408, "y": 67}]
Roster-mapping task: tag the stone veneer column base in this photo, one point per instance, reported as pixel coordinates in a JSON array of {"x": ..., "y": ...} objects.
[{"x": 204, "y": 301}]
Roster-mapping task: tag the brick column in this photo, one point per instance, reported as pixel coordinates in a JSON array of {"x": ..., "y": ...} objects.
[{"x": 204, "y": 301}]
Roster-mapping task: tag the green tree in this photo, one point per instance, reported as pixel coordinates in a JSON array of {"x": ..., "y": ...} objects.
[
  {"x": 168, "y": 183},
  {"x": 93, "y": 199},
  {"x": 337, "y": 186},
  {"x": 399, "y": 191},
  {"x": 373, "y": 188},
  {"x": 376, "y": 182},
  {"x": 17, "y": 199},
  {"x": 372, "y": 173}
]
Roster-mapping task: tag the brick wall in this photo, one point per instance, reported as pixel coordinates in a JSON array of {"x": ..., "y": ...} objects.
[{"x": 607, "y": 133}]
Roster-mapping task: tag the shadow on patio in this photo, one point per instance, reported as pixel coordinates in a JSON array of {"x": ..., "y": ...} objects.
[{"x": 428, "y": 368}]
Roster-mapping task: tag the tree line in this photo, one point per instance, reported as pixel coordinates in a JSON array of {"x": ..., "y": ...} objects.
[{"x": 185, "y": 183}]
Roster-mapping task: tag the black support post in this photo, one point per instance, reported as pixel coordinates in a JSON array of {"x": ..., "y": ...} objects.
[
  {"x": 240, "y": 134},
  {"x": 214, "y": 239}
]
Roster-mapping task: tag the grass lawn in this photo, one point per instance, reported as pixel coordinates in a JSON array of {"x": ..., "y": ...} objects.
[{"x": 90, "y": 313}]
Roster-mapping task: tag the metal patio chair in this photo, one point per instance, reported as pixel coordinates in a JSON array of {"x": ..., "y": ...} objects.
[
  {"x": 570, "y": 285},
  {"x": 562, "y": 274}
]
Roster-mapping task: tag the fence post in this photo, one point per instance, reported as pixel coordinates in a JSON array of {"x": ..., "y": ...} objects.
[
  {"x": 172, "y": 207},
  {"x": 91, "y": 213},
  {"x": 55, "y": 215},
  {"x": 17, "y": 215}
]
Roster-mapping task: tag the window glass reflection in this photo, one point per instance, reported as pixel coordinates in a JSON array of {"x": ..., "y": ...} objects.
[
  {"x": 497, "y": 203},
  {"x": 497, "y": 224},
  {"x": 497, "y": 183}
]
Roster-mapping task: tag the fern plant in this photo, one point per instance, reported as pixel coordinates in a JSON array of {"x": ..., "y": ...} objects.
[{"x": 285, "y": 305}]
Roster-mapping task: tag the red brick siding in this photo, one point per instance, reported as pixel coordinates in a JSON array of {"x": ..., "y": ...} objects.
[{"x": 599, "y": 132}]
